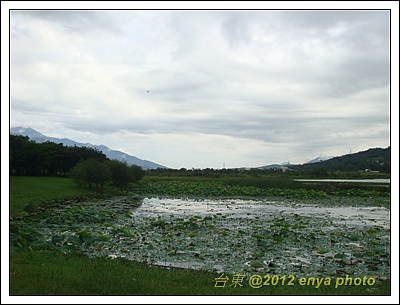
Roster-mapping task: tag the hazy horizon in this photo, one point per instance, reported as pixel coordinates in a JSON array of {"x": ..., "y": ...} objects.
[{"x": 277, "y": 162}]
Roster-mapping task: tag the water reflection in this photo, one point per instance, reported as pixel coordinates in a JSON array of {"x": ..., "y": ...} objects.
[
  {"x": 347, "y": 215},
  {"x": 346, "y": 180}
]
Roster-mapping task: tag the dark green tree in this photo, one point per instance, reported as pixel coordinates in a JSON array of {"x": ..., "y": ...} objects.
[
  {"x": 120, "y": 172},
  {"x": 90, "y": 172},
  {"x": 137, "y": 173},
  {"x": 30, "y": 158}
]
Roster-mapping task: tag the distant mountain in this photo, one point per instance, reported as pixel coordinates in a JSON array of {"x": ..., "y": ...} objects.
[
  {"x": 283, "y": 166},
  {"x": 272, "y": 166},
  {"x": 318, "y": 159},
  {"x": 373, "y": 159},
  {"x": 111, "y": 154}
]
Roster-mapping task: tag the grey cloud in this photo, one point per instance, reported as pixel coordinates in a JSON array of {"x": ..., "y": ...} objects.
[
  {"x": 27, "y": 105},
  {"x": 186, "y": 34},
  {"x": 235, "y": 30},
  {"x": 325, "y": 19},
  {"x": 92, "y": 126},
  {"x": 73, "y": 20},
  {"x": 299, "y": 80}
]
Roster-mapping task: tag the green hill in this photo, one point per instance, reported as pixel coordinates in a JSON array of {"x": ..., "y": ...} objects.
[{"x": 374, "y": 159}]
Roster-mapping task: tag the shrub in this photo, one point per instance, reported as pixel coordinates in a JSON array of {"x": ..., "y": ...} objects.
[
  {"x": 120, "y": 172},
  {"x": 137, "y": 173},
  {"x": 90, "y": 172}
]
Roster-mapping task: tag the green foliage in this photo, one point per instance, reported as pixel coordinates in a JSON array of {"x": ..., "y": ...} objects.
[
  {"x": 90, "y": 172},
  {"x": 24, "y": 236},
  {"x": 122, "y": 174},
  {"x": 46, "y": 159},
  {"x": 87, "y": 167},
  {"x": 137, "y": 173},
  {"x": 94, "y": 172},
  {"x": 241, "y": 243},
  {"x": 374, "y": 159},
  {"x": 207, "y": 189}
]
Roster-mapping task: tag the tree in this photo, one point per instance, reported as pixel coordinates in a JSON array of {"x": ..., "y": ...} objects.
[
  {"x": 120, "y": 172},
  {"x": 90, "y": 172},
  {"x": 46, "y": 159},
  {"x": 137, "y": 173}
]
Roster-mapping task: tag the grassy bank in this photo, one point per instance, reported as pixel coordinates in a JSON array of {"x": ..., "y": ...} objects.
[
  {"x": 48, "y": 273},
  {"x": 29, "y": 193}
]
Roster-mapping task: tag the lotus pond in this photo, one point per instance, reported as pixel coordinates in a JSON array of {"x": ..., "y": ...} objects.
[{"x": 304, "y": 238}]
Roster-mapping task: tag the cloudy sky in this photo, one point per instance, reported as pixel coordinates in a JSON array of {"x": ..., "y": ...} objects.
[{"x": 205, "y": 88}]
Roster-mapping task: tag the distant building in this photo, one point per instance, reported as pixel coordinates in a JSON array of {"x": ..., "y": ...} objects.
[
  {"x": 368, "y": 170},
  {"x": 244, "y": 169}
]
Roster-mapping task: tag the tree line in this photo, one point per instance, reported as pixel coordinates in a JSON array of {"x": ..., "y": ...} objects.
[{"x": 87, "y": 166}]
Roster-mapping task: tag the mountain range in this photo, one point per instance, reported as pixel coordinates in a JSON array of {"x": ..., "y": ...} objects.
[
  {"x": 287, "y": 164},
  {"x": 111, "y": 154},
  {"x": 374, "y": 159}
]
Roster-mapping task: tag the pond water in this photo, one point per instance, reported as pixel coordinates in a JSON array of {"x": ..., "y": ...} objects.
[
  {"x": 362, "y": 216},
  {"x": 233, "y": 236},
  {"x": 346, "y": 180}
]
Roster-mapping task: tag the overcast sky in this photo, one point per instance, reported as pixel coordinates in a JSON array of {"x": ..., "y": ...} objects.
[{"x": 205, "y": 88}]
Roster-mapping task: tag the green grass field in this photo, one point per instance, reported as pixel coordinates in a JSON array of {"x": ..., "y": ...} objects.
[
  {"x": 29, "y": 193},
  {"x": 37, "y": 272},
  {"x": 44, "y": 273}
]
